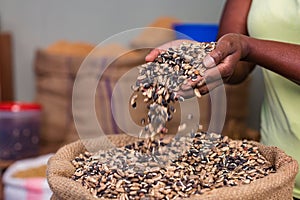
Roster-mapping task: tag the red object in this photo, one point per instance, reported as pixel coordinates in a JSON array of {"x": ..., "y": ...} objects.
[{"x": 19, "y": 106}]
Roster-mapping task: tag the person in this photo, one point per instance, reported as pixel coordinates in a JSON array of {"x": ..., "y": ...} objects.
[{"x": 264, "y": 34}]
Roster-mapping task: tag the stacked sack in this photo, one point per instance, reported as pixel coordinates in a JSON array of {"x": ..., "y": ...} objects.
[{"x": 55, "y": 69}]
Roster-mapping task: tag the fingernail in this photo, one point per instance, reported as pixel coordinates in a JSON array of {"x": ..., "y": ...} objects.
[{"x": 209, "y": 62}]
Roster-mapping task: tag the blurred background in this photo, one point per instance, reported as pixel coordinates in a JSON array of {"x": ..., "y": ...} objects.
[
  {"x": 43, "y": 43},
  {"x": 39, "y": 23}
]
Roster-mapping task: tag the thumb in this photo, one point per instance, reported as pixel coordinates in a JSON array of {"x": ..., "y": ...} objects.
[
  {"x": 208, "y": 61},
  {"x": 152, "y": 55}
]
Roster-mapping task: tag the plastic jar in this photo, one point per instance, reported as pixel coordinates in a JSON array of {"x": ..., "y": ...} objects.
[{"x": 19, "y": 130}]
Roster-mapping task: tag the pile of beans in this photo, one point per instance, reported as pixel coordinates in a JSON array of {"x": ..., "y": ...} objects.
[{"x": 170, "y": 168}]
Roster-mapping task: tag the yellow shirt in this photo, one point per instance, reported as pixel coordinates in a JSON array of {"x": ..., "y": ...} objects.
[{"x": 280, "y": 115}]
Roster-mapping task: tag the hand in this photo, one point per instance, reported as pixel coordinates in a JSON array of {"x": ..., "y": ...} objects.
[{"x": 222, "y": 61}]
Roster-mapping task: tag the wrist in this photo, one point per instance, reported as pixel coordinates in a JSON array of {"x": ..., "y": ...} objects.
[{"x": 245, "y": 47}]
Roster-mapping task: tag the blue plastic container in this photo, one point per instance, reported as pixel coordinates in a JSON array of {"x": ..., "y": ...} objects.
[{"x": 195, "y": 31}]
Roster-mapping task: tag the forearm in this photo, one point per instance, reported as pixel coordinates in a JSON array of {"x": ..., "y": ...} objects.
[
  {"x": 279, "y": 57},
  {"x": 234, "y": 20}
]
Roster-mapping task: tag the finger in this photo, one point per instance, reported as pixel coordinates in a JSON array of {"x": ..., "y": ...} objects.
[
  {"x": 186, "y": 93},
  {"x": 223, "y": 71},
  {"x": 194, "y": 82},
  {"x": 152, "y": 55},
  {"x": 203, "y": 89},
  {"x": 226, "y": 46},
  {"x": 209, "y": 87},
  {"x": 186, "y": 87},
  {"x": 212, "y": 75},
  {"x": 187, "y": 90},
  {"x": 208, "y": 61}
]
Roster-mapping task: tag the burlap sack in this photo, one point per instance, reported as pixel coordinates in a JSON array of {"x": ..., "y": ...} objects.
[
  {"x": 63, "y": 47},
  {"x": 56, "y": 68},
  {"x": 277, "y": 186},
  {"x": 55, "y": 120}
]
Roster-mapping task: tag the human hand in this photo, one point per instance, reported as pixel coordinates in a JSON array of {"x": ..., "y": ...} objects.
[{"x": 222, "y": 61}]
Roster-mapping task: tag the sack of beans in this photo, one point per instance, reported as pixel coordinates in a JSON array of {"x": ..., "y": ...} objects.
[
  {"x": 198, "y": 165},
  {"x": 26, "y": 179}
]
